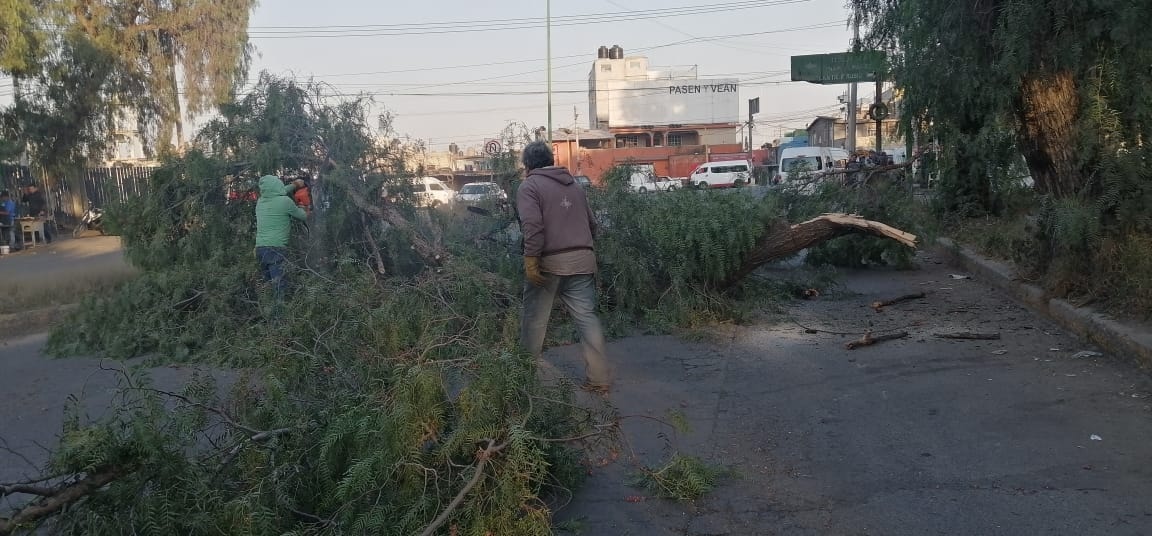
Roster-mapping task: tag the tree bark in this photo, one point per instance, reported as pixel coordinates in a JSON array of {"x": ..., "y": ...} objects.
[
  {"x": 1048, "y": 109},
  {"x": 783, "y": 239}
]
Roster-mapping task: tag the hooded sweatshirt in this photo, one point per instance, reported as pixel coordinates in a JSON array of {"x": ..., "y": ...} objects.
[
  {"x": 554, "y": 213},
  {"x": 274, "y": 213}
]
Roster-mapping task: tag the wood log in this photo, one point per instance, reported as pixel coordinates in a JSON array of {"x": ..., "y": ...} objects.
[
  {"x": 783, "y": 239},
  {"x": 967, "y": 335},
  {"x": 869, "y": 340},
  {"x": 878, "y": 305}
]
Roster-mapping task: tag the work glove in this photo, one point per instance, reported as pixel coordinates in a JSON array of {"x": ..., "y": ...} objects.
[{"x": 532, "y": 271}]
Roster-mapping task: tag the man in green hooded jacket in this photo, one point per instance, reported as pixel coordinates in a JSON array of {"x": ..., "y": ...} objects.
[{"x": 274, "y": 213}]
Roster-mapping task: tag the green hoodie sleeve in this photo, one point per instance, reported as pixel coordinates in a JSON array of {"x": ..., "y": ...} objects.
[{"x": 295, "y": 211}]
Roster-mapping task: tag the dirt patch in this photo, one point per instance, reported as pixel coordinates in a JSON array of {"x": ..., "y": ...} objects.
[
  {"x": 61, "y": 273},
  {"x": 32, "y": 321}
]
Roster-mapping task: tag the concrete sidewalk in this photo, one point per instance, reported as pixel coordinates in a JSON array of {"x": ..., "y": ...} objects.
[{"x": 909, "y": 437}]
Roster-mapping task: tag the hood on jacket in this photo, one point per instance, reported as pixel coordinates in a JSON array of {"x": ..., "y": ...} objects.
[
  {"x": 272, "y": 186},
  {"x": 556, "y": 173}
]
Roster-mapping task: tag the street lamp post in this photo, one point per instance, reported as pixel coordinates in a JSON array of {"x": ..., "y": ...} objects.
[{"x": 549, "y": 37}]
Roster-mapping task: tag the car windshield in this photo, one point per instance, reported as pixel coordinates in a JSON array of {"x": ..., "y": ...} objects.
[
  {"x": 803, "y": 163},
  {"x": 474, "y": 189}
]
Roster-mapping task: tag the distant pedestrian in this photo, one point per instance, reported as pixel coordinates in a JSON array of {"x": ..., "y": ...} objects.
[
  {"x": 274, "y": 214},
  {"x": 853, "y": 169},
  {"x": 37, "y": 208},
  {"x": 8, "y": 218},
  {"x": 559, "y": 260}
]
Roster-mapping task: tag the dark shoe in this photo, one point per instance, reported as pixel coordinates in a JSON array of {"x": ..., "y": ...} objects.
[{"x": 595, "y": 388}]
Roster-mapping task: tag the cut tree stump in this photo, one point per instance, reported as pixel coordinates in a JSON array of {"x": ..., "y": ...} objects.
[{"x": 784, "y": 239}]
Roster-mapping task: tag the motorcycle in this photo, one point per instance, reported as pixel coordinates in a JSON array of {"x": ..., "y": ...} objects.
[{"x": 92, "y": 220}]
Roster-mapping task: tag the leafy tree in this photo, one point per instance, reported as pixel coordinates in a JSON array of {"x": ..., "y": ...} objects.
[
  {"x": 19, "y": 36},
  {"x": 1067, "y": 78},
  {"x": 1059, "y": 88},
  {"x": 156, "y": 40},
  {"x": 81, "y": 67}
]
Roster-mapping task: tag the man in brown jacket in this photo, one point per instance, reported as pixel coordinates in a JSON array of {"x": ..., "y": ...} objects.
[{"x": 559, "y": 259}]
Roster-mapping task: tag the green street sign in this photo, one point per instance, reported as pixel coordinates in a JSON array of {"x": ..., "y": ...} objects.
[{"x": 838, "y": 68}]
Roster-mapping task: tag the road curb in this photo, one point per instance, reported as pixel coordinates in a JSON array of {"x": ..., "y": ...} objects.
[{"x": 1111, "y": 335}]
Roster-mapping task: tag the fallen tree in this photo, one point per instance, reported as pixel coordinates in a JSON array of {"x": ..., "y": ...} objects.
[
  {"x": 784, "y": 240},
  {"x": 392, "y": 395}
]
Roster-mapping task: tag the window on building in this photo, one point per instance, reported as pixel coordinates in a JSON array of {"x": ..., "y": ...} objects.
[
  {"x": 605, "y": 68},
  {"x": 675, "y": 140},
  {"x": 628, "y": 141},
  {"x": 633, "y": 65}
]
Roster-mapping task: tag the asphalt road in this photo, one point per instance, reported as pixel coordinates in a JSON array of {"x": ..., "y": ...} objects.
[
  {"x": 920, "y": 436},
  {"x": 36, "y": 388}
]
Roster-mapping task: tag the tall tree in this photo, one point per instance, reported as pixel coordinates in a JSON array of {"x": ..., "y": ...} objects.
[
  {"x": 1068, "y": 78},
  {"x": 205, "y": 41},
  {"x": 18, "y": 35}
]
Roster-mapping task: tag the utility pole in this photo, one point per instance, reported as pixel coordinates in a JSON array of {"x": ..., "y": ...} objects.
[
  {"x": 549, "y": 37},
  {"x": 753, "y": 109},
  {"x": 850, "y": 141},
  {"x": 576, "y": 129},
  {"x": 879, "y": 120}
]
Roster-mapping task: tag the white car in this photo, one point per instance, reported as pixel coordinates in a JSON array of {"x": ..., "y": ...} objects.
[
  {"x": 427, "y": 192},
  {"x": 477, "y": 192}
]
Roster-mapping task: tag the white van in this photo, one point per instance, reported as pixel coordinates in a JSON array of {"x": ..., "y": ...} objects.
[
  {"x": 428, "y": 192},
  {"x": 723, "y": 174},
  {"x": 813, "y": 160}
]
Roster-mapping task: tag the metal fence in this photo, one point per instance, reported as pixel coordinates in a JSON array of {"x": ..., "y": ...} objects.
[{"x": 68, "y": 196}]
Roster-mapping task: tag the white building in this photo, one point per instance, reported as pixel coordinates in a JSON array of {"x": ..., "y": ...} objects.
[{"x": 628, "y": 96}]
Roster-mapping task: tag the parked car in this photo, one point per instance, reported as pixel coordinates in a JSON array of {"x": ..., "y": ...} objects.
[
  {"x": 427, "y": 192},
  {"x": 667, "y": 184},
  {"x": 478, "y": 192},
  {"x": 723, "y": 174},
  {"x": 643, "y": 182},
  {"x": 584, "y": 181}
]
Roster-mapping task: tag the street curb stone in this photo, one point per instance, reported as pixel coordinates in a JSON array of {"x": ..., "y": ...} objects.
[{"x": 1109, "y": 334}]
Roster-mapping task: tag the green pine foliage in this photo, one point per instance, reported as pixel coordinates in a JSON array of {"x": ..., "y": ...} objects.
[{"x": 663, "y": 255}]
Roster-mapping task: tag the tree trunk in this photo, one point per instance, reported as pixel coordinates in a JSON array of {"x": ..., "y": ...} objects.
[
  {"x": 1047, "y": 110},
  {"x": 784, "y": 239}
]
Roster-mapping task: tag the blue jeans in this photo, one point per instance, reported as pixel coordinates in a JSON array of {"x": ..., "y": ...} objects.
[
  {"x": 578, "y": 294},
  {"x": 272, "y": 260}
]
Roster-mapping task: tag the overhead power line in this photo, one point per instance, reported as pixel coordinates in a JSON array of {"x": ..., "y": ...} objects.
[
  {"x": 666, "y": 45},
  {"x": 379, "y": 30}
]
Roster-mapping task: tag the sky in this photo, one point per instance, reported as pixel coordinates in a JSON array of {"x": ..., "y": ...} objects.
[
  {"x": 340, "y": 43},
  {"x": 446, "y": 83}
]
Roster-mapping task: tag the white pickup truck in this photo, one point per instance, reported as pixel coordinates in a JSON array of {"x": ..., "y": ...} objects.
[{"x": 645, "y": 182}]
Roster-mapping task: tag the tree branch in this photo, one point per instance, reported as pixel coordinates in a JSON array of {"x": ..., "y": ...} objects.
[
  {"x": 61, "y": 497},
  {"x": 482, "y": 458}
]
